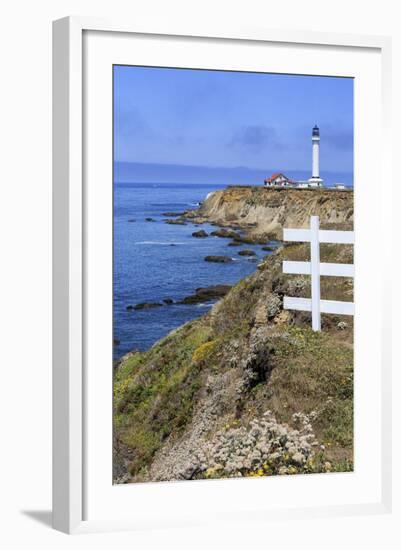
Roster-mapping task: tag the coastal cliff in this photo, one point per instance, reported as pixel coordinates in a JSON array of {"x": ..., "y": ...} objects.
[
  {"x": 245, "y": 390},
  {"x": 265, "y": 211}
]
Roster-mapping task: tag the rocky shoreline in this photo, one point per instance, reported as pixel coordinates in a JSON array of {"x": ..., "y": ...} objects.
[
  {"x": 237, "y": 237},
  {"x": 201, "y": 295},
  {"x": 261, "y": 213},
  {"x": 256, "y": 216}
]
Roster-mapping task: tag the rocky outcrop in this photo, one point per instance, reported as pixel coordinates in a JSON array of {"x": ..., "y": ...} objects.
[
  {"x": 206, "y": 294},
  {"x": 173, "y": 214},
  {"x": 247, "y": 252},
  {"x": 218, "y": 259},
  {"x": 143, "y": 305},
  {"x": 201, "y": 234},
  {"x": 177, "y": 221},
  {"x": 264, "y": 211},
  {"x": 225, "y": 233},
  {"x": 264, "y": 447}
]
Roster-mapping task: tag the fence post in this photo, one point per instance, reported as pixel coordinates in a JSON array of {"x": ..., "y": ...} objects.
[
  {"x": 315, "y": 272},
  {"x": 314, "y": 269}
]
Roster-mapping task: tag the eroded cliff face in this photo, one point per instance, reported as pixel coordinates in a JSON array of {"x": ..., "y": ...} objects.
[{"x": 265, "y": 211}]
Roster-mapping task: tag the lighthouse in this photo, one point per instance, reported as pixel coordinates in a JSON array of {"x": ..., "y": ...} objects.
[{"x": 315, "y": 180}]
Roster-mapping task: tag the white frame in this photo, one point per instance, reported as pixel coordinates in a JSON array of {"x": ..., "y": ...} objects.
[{"x": 68, "y": 256}]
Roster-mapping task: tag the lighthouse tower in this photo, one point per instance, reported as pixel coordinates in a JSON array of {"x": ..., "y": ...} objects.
[{"x": 315, "y": 180}]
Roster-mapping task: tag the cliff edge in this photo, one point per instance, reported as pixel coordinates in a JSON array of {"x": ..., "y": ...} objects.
[{"x": 265, "y": 211}]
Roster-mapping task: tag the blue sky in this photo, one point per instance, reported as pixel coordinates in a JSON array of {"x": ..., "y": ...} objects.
[{"x": 257, "y": 121}]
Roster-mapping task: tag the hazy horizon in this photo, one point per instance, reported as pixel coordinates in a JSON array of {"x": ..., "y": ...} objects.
[{"x": 136, "y": 172}]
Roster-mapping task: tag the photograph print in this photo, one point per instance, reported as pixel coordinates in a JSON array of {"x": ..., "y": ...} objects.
[{"x": 233, "y": 210}]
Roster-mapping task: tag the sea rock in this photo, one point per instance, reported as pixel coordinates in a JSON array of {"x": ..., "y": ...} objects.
[
  {"x": 144, "y": 305},
  {"x": 132, "y": 220},
  {"x": 200, "y": 234},
  {"x": 225, "y": 233},
  {"x": 249, "y": 239},
  {"x": 116, "y": 342},
  {"x": 218, "y": 259},
  {"x": 247, "y": 252},
  {"x": 168, "y": 301},
  {"x": 150, "y": 220},
  {"x": 234, "y": 243},
  {"x": 268, "y": 248},
  {"x": 175, "y": 222},
  {"x": 173, "y": 214},
  {"x": 206, "y": 294}
]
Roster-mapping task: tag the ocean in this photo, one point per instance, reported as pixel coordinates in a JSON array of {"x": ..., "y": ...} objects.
[{"x": 154, "y": 261}]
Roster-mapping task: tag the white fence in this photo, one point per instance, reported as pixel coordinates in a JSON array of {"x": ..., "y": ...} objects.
[{"x": 315, "y": 269}]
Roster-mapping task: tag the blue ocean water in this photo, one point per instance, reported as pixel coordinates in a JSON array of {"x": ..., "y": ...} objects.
[{"x": 154, "y": 261}]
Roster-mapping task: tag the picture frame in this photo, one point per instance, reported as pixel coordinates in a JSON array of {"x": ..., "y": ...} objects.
[{"x": 71, "y": 257}]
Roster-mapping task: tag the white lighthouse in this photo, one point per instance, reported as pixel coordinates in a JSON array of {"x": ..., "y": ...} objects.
[{"x": 315, "y": 180}]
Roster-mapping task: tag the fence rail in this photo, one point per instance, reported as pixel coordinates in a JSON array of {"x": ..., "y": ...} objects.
[
  {"x": 326, "y": 306},
  {"x": 325, "y": 235},
  {"x": 315, "y": 270},
  {"x": 305, "y": 268}
]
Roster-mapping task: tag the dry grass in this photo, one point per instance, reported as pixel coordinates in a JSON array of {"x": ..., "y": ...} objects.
[{"x": 156, "y": 393}]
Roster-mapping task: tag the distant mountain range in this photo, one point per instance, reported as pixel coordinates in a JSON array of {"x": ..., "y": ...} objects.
[{"x": 137, "y": 172}]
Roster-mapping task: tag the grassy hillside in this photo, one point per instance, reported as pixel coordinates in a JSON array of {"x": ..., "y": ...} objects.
[{"x": 246, "y": 390}]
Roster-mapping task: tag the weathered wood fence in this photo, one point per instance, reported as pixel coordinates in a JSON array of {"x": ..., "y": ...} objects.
[{"x": 315, "y": 269}]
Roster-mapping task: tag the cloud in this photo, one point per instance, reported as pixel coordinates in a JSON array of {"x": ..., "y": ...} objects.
[
  {"x": 341, "y": 139},
  {"x": 255, "y": 139},
  {"x": 129, "y": 123}
]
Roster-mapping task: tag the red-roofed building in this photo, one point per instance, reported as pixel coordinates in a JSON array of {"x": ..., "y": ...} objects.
[{"x": 279, "y": 180}]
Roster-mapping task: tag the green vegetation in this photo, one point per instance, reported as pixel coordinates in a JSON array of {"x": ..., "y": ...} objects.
[
  {"x": 154, "y": 391},
  {"x": 245, "y": 359},
  {"x": 312, "y": 371}
]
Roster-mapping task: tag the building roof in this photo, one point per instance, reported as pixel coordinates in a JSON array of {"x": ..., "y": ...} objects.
[
  {"x": 275, "y": 176},
  {"x": 278, "y": 174}
]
